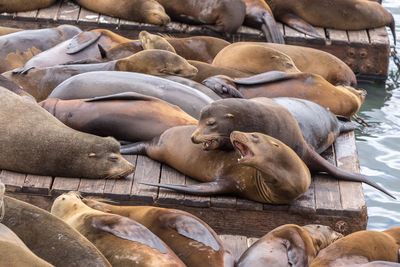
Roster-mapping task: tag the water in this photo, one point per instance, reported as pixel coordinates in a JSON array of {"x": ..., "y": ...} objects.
[{"x": 379, "y": 145}]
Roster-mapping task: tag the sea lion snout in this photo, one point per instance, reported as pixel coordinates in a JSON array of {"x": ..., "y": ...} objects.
[{"x": 122, "y": 169}]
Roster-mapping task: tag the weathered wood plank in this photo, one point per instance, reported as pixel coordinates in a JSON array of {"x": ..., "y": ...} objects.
[
  {"x": 109, "y": 21},
  {"x": 147, "y": 170},
  {"x": 69, "y": 12},
  {"x": 336, "y": 36},
  {"x": 90, "y": 186},
  {"x": 223, "y": 202},
  {"x": 63, "y": 184},
  {"x": 28, "y": 15},
  {"x": 37, "y": 184},
  {"x": 195, "y": 201},
  {"x": 305, "y": 204},
  {"x": 235, "y": 243},
  {"x": 170, "y": 176},
  {"x": 87, "y": 16},
  {"x": 49, "y": 13},
  {"x": 245, "y": 204},
  {"x": 14, "y": 181},
  {"x": 358, "y": 37},
  {"x": 379, "y": 36}
]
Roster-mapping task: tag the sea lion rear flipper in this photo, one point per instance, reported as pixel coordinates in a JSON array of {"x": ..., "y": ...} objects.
[
  {"x": 345, "y": 125},
  {"x": 138, "y": 148},
  {"x": 121, "y": 96},
  {"x": 81, "y": 41},
  {"x": 21, "y": 70},
  {"x": 221, "y": 87},
  {"x": 271, "y": 30},
  {"x": 189, "y": 227},
  {"x": 127, "y": 229},
  {"x": 299, "y": 24}
]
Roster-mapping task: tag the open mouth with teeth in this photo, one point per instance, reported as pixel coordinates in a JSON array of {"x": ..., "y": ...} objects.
[
  {"x": 207, "y": 144},
  {"x": 244, "y": 150}
]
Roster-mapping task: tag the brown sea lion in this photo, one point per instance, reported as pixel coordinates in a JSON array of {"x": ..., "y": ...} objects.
[
  {"x": 193, "y": 241},
  {"x": 153, "y": 41},
  {"x": 148, "y": 11},
  {"x": 49, "y": 237},
  {"x": 268, "y": 171},
  {"x": 360, "y": 247},
  {"x": 206, "y": 70},
  {"x": 13, "y": 252},
  {"x": 59, "y": 150},
  {"x": 129, "y": 116},
  {"x": 18, "y": 47},
  {"x": 305, "y": 59},
  {"x": 124, "y": 242},
  {"x": 224, "y": 15},
  {"x": 40, "y": 82},
  {"x": 340, "y": 14},
  {"x": 22, "y": 5},
  {"x": 220, "y": 118},
  {"x": 259, "y": 15},
  {"x": 341, "y": 100},
  {"x": 8, "y": 30},
  {"x": 288, "y": 245},
  {"x": 5, "y": 83}
]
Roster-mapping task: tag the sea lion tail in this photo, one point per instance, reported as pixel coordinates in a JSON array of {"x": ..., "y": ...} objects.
[
  {"x": 271, "y": 30},
  {"x": 201, "y": 189},
  {"x": 392, "y": 26},
  {"x": 139, "y": 148}
]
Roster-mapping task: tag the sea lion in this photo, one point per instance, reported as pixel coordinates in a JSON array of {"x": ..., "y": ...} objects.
[
  {"x": 341, "y": 100},
  {"x": 360, "y": 247},
  {"x": 18, "y": 47},
  {"x": 8, "y": 30},
  {"x": 223, "y": 16},
  {"x": 206, "y": 70},
  {"x": 259, "y": 15},
  {"x": 40, "y": 82},
  {"x": 22, "y": 5},
  {"x": 341, "y": 15},
  {"x": 268, "y": 171},
  {"x": 101, "y": 83},
  {"x": 220, "y": 118},
  {"x": 5, "y": 83},
  {"x": 288, "y": 245},
  {"x": 129, "y": 116},
  {"x": 193, "y": 241},
  {"x": 13, "y": 252},
  {"x": 306, "y": 59},
  {"x": 124, "y": 242},
  {"x": 153, "y": 41},
  {"x": 49, "y": 237},
  {"x": 59, "y": 150},
  {"x": 148, "y": 11}
]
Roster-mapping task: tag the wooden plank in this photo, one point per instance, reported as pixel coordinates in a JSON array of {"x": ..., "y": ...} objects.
[
  {"x": 223, "y": 202},
  {"x": 305, "y": 204},
  {"x": 62, "y": 185},
  {"x": 7, "y": 15},
  {"x": 358, "y": 37},
  {"x": 69, "y": 12},
  {"x": 109, "y": 21},
  {"x": 235, "y": 243},
  {"x": 37, "y": 184},
  {"x": 379, "y": 36},
  {"x": 120, "y": 189},
  {"x": 147, "y": 170},
  {"x": 49, "y": 13},
  {"x": 31, "y": 15},
  {"x": 195, "y": 201},
  {"x": 90, "y": 186},
  {"x": 337, "y": 36},
  {"x": 87, "y": 16},
  {"x": 13, "y": 180},
  {"x": 170, "y": 176},
  {"x": 291, "y": 33},
  {"x": 246, "y": 204}
]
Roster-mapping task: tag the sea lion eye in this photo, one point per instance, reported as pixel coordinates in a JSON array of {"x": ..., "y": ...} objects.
[
  {"x": 228, "y": 115},
  {"x": 113, "y": 158},
  {"x": 178, "y": 71},
  {"x": 92, "y": 155},
  {"x": 210, "y": 123}
]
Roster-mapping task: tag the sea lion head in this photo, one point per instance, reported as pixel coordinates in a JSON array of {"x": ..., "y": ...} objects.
[
  {"x": 322, "y": 235},
  {"x": 361, "y": 94},
  {"x": 157, "y": 62},
  {"x": 66, "y": 204},
  {"x": 154, "y": 13},
  {"x": 154, "y": 41}
]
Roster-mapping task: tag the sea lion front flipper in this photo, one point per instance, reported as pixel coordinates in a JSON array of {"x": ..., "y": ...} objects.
[
  {"x": 121, "y": 96},
  {"x": 81, "y": 41},
  {"x": 271, "y": 30},
  {"x": 189, "y": 227},
  {"x": 128, "y": 229},
  {"x": 221, "y": 86},
  {"x": 266, "y": 77},
  {"x": 299, "y": 24},
  {"x": 138, "y": 148}
]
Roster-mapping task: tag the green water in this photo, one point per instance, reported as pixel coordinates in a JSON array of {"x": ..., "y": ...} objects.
[{"x": 379, "y": 145}]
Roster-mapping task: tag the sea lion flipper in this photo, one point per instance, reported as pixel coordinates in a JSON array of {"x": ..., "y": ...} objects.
[
  {"x": 191, "y": 228},
  {"x": 271, "y": 30},
  {"x": 299, "y": 24},
  {"x": 127, "y": 229},
  {"x": 121, "y": 96},
  {"x": 138, "y": 148},
  {"x": 345, "y": 124},
  {"x": 266, "y": 77},
  {"x": 81, "y": 41},
  {"x": 221, "y": 86}
]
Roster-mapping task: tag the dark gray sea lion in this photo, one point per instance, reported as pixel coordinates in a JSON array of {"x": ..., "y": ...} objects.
[
  {"x": 101, "y": 83},
  {"x": 59, "y": 150}
]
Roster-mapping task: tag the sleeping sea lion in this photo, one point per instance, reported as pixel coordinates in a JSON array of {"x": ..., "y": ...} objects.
[
  {"x": 148, "y": 11},
  {"x": 101, "y": 83},
  {"x": 49, "y": 237},
  {"x": 220, "y": 118},
  {"x": 40, "y": 82},
  {"x": 341, "y": 100},
  {"x": 129, "y": 116},
  {"x": 18, "y": 47},
  {"x": 361, "y": 247},
  {"x": 124, "y": 242},
  {"x": 59, "y": 150},
  {"x": 22, "y": 5},
  {"x": 306, "y": 59},
  {"x": 153, "y": 41},
  {"x": 288, "y": 245},
  {"x": 193, "y": 241},
  {"x": 268, "y": 171}
]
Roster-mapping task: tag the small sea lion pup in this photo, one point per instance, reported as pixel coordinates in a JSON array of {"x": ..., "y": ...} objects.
[
  {"x": 59, "y": 150},
  {"x": 223, "y": 15},
  {"x": 124, "y": 242},
  {"x": 220, "y": 118},
  {"x": 40, "y": 82},
  {"x": 18, "y": 47},
  {"x": 360, "y": 248},
  {"x": 22, "y": 5},
  {"x": 153, "y": 41},
  {"x": 268, "y": 171},
  {"x": 49, "y": 237},
  {"x": 193, "y": 241},
  {"x": 127, "y": 116},
  {"x": 288, "y": 245},
  {"x": 147, "y": 11}
]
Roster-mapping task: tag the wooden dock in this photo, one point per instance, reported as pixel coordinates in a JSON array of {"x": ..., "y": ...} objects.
[
  {"x": 339, "y": 204},
  {"x": 367, "y": 52}
]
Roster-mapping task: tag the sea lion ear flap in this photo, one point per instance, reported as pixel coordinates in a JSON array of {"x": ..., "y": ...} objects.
[
  {"x": 229, "y": 116},
  {"x": 128, "y": 229}
]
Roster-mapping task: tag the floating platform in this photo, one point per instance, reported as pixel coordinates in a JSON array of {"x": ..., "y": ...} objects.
[
  {"x": 339, "y": 204},
  {"x": 367, "y": 52}
]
